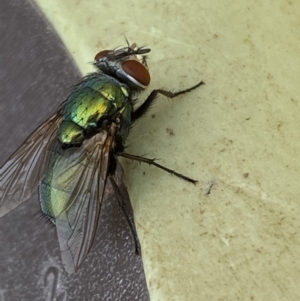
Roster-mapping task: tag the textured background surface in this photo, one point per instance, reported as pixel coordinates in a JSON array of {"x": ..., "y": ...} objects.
[{"x": 239, "y": 132}]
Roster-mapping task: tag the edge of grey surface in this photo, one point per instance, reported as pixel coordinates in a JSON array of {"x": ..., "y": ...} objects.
[{"x": 36, "y": 72}]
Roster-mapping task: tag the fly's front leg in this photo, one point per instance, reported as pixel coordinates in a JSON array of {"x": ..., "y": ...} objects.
[{"x": 144, "y": 107}]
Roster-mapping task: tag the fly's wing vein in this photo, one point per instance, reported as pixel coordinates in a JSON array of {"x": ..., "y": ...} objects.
[
  {"x": 22, "y": 172},
  {"x": 77, "y": 222}
]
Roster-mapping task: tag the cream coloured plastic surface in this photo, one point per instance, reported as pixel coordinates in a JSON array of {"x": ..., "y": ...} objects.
[{"x": 238, "y": 135}]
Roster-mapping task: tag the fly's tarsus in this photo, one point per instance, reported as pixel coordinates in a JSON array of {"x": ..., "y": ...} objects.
[{"x": 171, "y": 94}]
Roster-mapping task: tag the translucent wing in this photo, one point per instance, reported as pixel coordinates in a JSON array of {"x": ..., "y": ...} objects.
[
  {"x": 21, "y": 174},
  {"x": 73, "y": 191}
]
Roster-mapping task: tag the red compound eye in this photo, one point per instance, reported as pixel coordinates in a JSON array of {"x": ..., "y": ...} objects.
[
  {"x": 138, "y": 71},
  {"x": 101, "y": 54}
]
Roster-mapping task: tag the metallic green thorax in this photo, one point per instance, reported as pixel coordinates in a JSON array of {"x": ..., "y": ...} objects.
[{"x": 98, "y": 96}]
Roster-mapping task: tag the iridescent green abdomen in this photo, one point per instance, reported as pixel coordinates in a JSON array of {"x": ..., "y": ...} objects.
[
  {"x": 58, "y": 188},
  {"x": 54, "y": 200},
  {"x": 97, "y": 96}
]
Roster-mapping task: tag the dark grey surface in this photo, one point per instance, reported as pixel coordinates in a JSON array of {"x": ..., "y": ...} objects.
[{"x": 36, "y": 72}]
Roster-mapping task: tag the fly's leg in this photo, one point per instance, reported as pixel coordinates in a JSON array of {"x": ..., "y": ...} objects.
[
  {"x": 152, "y": 162},
  {"x": 144, "y": 60},
  {"x": 141, "y": 111},
  {"x": 144, "y": 107},
  {"x": 123, "y": 208}
]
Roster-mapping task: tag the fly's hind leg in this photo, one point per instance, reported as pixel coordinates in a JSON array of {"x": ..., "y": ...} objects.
[
  {"x": 144, "y": 107},
  {"x": 123, "y": 208},
  {"x": 154, "y": 163}
]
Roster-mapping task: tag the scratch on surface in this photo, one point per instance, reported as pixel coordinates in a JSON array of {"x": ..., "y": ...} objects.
[
  {"x": 158, "y": 33},
  {"x": 225, "y": 240},
  {"x": 181, "y": 43}
]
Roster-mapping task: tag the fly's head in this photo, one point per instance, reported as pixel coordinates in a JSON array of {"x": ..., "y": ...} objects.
[{"x": 127, "y": 64}]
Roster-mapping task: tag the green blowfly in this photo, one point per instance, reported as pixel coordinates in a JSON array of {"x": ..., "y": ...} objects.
[{"x": 73, "y": 156}]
